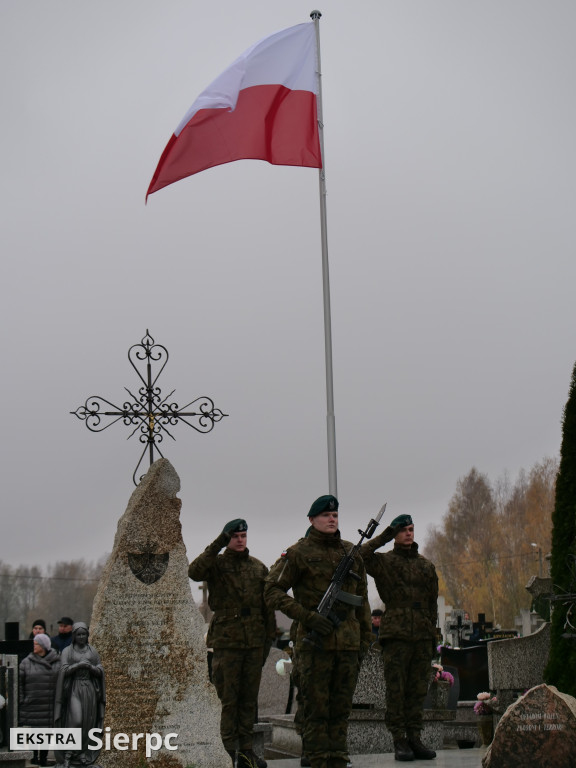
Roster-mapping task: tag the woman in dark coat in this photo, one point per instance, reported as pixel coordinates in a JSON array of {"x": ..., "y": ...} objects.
[{"x": 38, "y": 674}]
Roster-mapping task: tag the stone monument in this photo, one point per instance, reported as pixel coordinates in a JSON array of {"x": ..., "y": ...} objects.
[
  {"x": 537, "y": 731},
  {"x": 150, "y": 637}
]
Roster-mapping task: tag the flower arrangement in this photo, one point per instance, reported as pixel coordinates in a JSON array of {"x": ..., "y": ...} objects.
[
  {"x": 486, "y": 704},
  {"x": 441, "y": 675}
]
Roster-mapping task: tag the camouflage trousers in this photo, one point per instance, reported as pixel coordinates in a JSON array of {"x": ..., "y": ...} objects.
[
  {"x": 236, "y": 674},
  {"x": 295, "y": 680},
  {"x": 327, "y": 682},
  {"x": 407, "y": 674}
]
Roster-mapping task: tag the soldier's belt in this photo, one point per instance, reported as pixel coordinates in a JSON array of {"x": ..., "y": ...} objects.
[{"x": 237, "y": 613}]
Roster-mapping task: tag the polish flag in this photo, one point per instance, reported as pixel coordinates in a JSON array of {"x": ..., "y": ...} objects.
[{"x": 263, "y": 107}]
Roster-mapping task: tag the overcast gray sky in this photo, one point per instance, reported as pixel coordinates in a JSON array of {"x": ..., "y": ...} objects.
[{"x": 451, "y": 168}]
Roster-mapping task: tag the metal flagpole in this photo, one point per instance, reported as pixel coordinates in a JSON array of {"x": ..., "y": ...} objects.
[{"x": 330, "y": 419}]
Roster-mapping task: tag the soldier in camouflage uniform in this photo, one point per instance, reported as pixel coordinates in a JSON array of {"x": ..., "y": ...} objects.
[
  {"x": 241, "y": 633},
  {"x": 328, "y": 666},
  {"x": 408, "y": 586}
]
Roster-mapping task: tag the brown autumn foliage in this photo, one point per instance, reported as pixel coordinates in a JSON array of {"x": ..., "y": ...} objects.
[{"x": 483, "y": 548}]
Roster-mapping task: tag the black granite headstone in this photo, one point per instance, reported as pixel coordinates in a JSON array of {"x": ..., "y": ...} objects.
[
  {"x": 472, "y": 666},
  {"x": 12, "y": 630},
  {"x": 20, "y": 648}
]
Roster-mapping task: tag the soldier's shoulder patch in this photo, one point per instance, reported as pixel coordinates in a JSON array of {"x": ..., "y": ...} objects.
[{"x": 285, "y": 553}]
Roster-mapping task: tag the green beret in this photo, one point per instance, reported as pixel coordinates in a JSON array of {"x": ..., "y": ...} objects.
[
  {"x": 401, "y": 521},
  {"x": 323, "y": 504},
  {"x": 235, "y": 526}
]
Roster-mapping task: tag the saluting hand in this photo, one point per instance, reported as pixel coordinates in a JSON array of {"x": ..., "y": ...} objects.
[{"x": 388, "y": 534}]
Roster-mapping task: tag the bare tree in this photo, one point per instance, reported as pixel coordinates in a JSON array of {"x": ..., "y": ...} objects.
[
  {"x": 66, "y": 588},
  {"x": 69, "y": 590}
]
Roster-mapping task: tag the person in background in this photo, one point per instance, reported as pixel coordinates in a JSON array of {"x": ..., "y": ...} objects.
[
  {"x": 64, "y": 637},
  {"x": 38, "y": 628},
  {"x": 376, "y": 619},
  {"x": 38, "y": 673}
]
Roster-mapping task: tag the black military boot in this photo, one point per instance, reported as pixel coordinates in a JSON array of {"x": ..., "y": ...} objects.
[
  {"x": 232, "y": 753},
  {"x": 249, "y": 759},
  {"x": 258, "y": 761},
  {"x": 403, "y": 750},
  {"x": 420, "y": 751}
]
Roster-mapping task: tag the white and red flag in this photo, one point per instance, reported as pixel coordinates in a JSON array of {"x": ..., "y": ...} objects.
[{"x": 263, "y": 107}]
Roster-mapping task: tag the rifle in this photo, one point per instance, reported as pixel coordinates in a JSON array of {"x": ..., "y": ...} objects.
[{"x": 334, "y": 591}]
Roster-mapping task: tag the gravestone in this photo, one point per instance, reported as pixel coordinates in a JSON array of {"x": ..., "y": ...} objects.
[
  {"x": 480, "y": 628},
  {"x": 274, "y": 688},
  {"x": 367, "y": 732},
  {"x": 516, "y": 664},
  {"x": 528, "y": 622},
  {"x": 149, "y": 634},
  {"x": 444, "y": 612},
  {"x": 11, "y": 630},
  {"x": 472, "y": 666},
  {"x": 537, "y": 731},
  {"x": 19, "y": 648},
  {"x": 9, "y": 712},
  {"x": 458, "y": 627},
  {"x": 9, "y": 693}
]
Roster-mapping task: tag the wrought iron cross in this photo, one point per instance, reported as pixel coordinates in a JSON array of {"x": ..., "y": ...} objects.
[{"x": 149, "y": 413}]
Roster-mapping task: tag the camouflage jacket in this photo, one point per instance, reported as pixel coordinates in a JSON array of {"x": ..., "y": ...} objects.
[
  {"x": 235, "y": 594},
  {"x": 408, "y": 586},
  {"x": 307, "y": 568}
]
